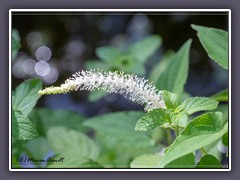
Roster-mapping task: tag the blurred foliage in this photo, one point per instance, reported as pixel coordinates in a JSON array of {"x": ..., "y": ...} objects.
[
  {"x": 16, "y": 45},
  {"x": 130, "y": 61}
]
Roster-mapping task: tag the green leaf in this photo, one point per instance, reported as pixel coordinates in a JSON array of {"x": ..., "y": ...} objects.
[
  {"x": 63, "y": 140},
  {"x": 108, "y": 54},
  {"x": 199, "y": 132},
  {"x": 145, "y": 161},
  {"x": 221, "y": 96},
  {"x": 46, "y": 118},
  {"x": 208, "y": 161},
  {"x": 153, "y": 119},
  {"x": 15, "y": 43},
  {"x": 96, "y": 64},
  {"x": 196, "y": 104},
  {"x": 224, "y": 109},
  {"x": 145, "y": 48},
  {"x": 128, "y": 64},
  {"x": 171, "y": 100},
  {"x": 26, "y": 96},
  {"x": 37, "y": 148},
  {"x": 179, "y": 120},
  {"x": 159, "y": 68},
  {"x": 112, "y": 155},
  {"x": 120, "y": 127},
  {"x": 187, "y": 161},
  {"x": 72, "y": 160},
  {"x": 22, "y": 127},
  {"x": 96, "y": 95},
  {"x": 175, "y": 75},
  {"x": 215, "y": 42},
  {"x": 225, "y": 139}
]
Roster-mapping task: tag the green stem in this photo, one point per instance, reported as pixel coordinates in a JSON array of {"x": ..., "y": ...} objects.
[{"x": 177, "y": 131}]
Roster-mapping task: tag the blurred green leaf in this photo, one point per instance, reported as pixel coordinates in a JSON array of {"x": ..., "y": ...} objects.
[
  {"x": 145, "y": 48},
  {"x": 112, "y": 155},
  {"x": 15, "y": 164},
  {"x": 187, "y": 161},
  {"x": 22, "y": 127},
  {"x": 159, "y": 68},
  {"x": 44, "y": 119},
  {"x": 224, "y": 109},
  {"x": 15, "y": 43},
  {"x": 175, "y": 74},
  {"x": 71, "y": 159},
  {"x": 96, "y": 64},
  {"x": 145, "y": 161},
  {"x": 96, "y": 95},
  {"x": 26, "y": 96},
  {"x": 196, "y": 104},
  {"x": 171, "y": 100},
  {"x": 221, "y": 96},
  {"x": 63, "y": 140},
  {"x": 120, "y": 127},
  {"x": 128, "y": 64},
  {"x": 37, "y": 148},
  {"x": 153, "y": 119},
  {"x": 215, "y": 42},
  {"x": 108, "y": 54},
  {"x": 225, "y": 139},
  {"x": 209, "y": 161},
  {"x": 199, "y": 132}
]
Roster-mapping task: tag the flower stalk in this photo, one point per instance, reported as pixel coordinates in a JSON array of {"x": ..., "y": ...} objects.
[{"x": 137, "y": 89}]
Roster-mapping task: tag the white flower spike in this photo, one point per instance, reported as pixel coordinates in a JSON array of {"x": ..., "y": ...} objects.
[{"x": 135, "y": 88}]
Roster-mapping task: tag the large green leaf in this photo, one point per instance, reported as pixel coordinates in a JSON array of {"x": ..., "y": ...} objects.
[
  {"x": 44, "y": 119},
  {"x": 215, "y": 42},
  {"x": 196, "y": 104},
  {"x": 208, "y": 161},
  {"x": 175, "y": 75},
  {"x": 187, "y": 161},
  {"x": 63, "y": 140},
  {"x": 15, "y": 43},
  {"x": 22, "y": 127},
  {"x": 120, "y": 127},
  {"x": 153, "y": 119},
  {"x": 108, "y": 54},
  {"x": 145, "y": 161},
  {"x": 200, "y": 132},
  {"x": 145, "y": 48},
  {"x": 26, "y": 96}
]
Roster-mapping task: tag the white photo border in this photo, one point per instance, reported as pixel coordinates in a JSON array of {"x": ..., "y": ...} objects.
[{"x": 117, "y": 10}]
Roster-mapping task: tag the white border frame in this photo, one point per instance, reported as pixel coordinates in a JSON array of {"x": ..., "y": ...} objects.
[{"x": 119, "y": 10}]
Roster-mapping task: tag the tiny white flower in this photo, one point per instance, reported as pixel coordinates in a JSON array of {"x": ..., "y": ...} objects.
[{"x": 135, "y": 88}]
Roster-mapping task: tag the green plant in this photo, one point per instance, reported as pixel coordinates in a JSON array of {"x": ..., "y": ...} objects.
[{"x": 167, "y": 135}]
